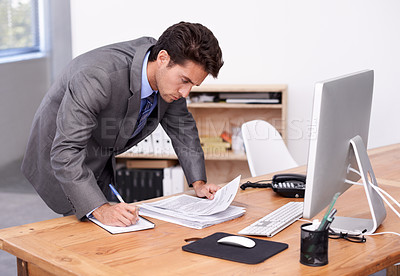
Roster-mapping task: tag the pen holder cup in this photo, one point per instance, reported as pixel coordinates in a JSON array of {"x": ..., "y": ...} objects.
[{"x": 313, "y": 246}]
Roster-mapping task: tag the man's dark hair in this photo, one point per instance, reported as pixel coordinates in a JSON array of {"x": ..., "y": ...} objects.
[{"x": 190, "y": 41}]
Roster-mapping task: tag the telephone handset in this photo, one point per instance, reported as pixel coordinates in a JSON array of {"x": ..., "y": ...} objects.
[
  {"x": 289, "y": 185},
  {"x": 286, "y": 185}
]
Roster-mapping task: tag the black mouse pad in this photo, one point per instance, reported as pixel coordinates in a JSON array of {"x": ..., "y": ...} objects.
[{"x": 260, "y": 252}]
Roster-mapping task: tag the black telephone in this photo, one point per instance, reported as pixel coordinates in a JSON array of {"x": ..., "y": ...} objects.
[
  {"x": 289, "y": 185},
  {"x": 286, "y": 185}
]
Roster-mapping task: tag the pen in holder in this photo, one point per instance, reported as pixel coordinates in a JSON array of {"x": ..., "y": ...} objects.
[{"x": 313, "y": 246}]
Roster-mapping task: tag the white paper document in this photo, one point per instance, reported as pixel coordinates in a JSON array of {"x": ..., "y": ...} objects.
[
  {"x": 201, "y": 206},
  {"x": 196, "y": 212},
  {"x": 197, "y": 222},
  {"x": 142, "y": 224}
]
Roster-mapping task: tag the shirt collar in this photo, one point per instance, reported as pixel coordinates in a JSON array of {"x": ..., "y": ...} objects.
[{"x": 146, "y": 88}]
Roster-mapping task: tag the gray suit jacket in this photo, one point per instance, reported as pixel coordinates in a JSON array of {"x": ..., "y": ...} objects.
[{"x": 88, "y": 116}]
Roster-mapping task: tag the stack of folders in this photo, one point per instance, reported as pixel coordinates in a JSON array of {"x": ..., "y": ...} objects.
[
  {"x": 196, "y": 212},
  {"x": 252, "y": 98},
  {"x": 214, "y": 145},
  {"x": 141, "y": 184},
  {"x": 157, "y": 143},
  {"x": 173, "y": 180},
  {"x": 138, "y": 184}
]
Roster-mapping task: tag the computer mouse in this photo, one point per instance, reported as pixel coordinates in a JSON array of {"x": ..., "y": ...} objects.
[{"x": 237, "y": 241}]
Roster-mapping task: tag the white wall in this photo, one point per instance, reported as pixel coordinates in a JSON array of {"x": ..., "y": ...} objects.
[
  {"x": 23, "y": 83},
  {"x": 293, "y": 42}
]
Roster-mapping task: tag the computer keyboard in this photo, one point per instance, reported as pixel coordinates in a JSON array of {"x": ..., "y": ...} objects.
[{"x": 276, "y": 221}]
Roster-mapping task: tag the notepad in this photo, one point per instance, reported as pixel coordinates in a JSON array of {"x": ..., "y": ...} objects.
[{"x": 142, "y": 224}]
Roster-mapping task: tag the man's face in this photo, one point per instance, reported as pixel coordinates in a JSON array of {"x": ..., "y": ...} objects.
[{"x": 175, "y": 82}]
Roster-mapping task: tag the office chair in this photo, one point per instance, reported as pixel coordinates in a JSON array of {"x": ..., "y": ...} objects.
[{"x": 265, "y": 149}]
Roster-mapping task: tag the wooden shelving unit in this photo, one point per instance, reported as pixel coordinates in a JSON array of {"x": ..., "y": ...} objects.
[
  {"x": 222, "y": 156},
  {"x": 212, "y": 118},
  {"x": 235, "y": 106}
]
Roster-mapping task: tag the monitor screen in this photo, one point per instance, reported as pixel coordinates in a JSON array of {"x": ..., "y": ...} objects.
[{"x": 341, "y": 112}]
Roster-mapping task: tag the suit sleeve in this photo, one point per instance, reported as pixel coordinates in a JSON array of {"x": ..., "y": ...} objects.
[
  {"x": 180, "y": 126},
  {"x": 87, "y": 93}
]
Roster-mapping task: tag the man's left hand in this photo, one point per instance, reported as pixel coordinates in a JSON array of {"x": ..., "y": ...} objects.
[{"x": 203, "y": 189}]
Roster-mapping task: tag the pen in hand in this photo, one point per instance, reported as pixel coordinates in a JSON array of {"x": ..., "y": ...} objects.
[
  {"x": 119, "y": 197},
  {"x": 115, "y": 192}
]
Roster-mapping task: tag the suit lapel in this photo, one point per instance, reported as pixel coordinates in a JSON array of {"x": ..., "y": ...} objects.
[{"x": 133, "y": 104}]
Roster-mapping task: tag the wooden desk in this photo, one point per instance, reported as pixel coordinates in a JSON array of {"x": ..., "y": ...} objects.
[{"x": 65, "y": 246}]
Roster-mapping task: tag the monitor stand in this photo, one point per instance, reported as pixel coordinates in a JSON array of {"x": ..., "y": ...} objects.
[{"x": 377, "y": 208}]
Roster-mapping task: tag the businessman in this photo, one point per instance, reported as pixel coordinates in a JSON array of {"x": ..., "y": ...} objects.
[{"x": 108, "y": 100}]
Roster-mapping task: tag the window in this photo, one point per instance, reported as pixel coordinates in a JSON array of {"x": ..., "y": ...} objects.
[{"x": 19, "y": 27}]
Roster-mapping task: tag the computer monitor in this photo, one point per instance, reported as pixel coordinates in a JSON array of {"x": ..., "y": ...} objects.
[{"x": 337, "y": 153}]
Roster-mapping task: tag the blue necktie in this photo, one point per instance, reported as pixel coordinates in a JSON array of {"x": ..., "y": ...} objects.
[{"x": 142, "y": 119}]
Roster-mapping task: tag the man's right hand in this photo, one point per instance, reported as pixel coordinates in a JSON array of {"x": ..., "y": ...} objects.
[{"x": 121, "y": 214}]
